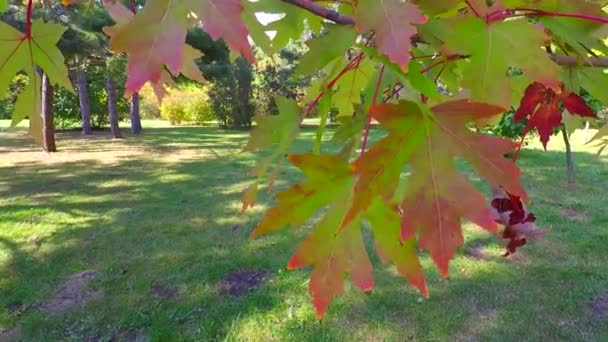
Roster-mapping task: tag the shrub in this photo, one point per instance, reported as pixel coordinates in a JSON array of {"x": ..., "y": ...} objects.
[
  {"x": 187, "y": 104},
  {"x": 67, "y": 106},
  {"x": 148, "y": 103},
  {"x": 232, "y": 95}
]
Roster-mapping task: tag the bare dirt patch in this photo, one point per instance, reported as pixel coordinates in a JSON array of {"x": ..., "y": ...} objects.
[
  {"x": 479, "y": 321},
  {"x": 240, "y": 282},
  {"x": 574, "y": 215},
  {"x": 599, "y": 307},
  {"x": 72, "y": 293},
  {"x": 477, "y": 252},
  {"x": 164, "y": 291},
  {"x": 129, "y": 335},
  {"x": 518, "y": 258}
]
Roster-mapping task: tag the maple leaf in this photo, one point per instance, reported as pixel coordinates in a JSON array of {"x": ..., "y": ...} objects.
[
  {"x": 437, "y": 196},
  {"x": 393, "y": 23},
  {"x": 329, "y": 178},
  {"x": 24, "y": 52},
  {"x": 494, "y": 49},
  {"x": 325, "y": 49},
  {"x": 153, "y": 39},
  {"x": 292, "y": 24},
  {"x": 541, "y": 105},
  {"x": 350, "y": 87},
  {"x": 385, "y": 224},
  {"x": 437, "y": 7},
  {"x": 601, "y": 137},
  {"x": 271, "y": 130},
  {"x": 333, "y": 253},
  {"x": 222, "y": 19},
  {"x": 510, "y": 211}
]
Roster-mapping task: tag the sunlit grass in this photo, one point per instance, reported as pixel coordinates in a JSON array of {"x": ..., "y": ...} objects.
[{"x": 165, "y": 208}]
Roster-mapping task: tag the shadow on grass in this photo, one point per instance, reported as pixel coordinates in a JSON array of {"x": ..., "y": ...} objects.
[{"x": 139, "y": 221}]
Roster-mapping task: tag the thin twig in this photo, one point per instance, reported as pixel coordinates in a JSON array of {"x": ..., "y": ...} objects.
[{"x": 368, "y": 124}]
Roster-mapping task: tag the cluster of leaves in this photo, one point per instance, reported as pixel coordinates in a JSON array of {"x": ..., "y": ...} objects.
[{"x": 380, "y": 60}]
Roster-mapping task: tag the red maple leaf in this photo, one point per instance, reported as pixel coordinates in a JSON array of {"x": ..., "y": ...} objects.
[
  {"x": 510, "y": 211},
  {"x": 541, "y": 105}
]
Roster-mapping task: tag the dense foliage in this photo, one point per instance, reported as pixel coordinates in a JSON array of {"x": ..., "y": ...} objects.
[
  {"x": 67, "y": 110},
  {"x": 188, "y": 104},
  {"x": 431, "y": 73}
]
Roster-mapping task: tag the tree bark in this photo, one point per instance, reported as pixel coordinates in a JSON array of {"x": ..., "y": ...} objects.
[
  {"x": 135, "y": 118},
  {"x": 112, "y": 107},
  {"x": 48, "y": 128},
  {"x": 83, "y": 97},
  {"x": 569, "y": 159}
]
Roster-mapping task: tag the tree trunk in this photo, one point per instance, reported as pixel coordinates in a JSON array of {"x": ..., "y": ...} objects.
[
  {"x": 83, "y": 97},
  {"x": 48, "y": 128},
  {"x": 569, "y": 160},
  {"x": 135, "y": 119},
  {"x": 112, "y": 107}
]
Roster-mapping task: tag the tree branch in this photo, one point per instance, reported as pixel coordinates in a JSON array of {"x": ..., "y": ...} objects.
[
  {"x": 341, "y": 19},
  {"x": 601, "y": 62},
  {"x": 322, "y": 12}
]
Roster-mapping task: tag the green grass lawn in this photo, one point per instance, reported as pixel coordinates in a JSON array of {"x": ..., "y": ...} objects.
[{"x": 158, "y": 219}]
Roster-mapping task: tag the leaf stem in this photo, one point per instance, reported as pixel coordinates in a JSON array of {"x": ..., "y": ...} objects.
[
  {"x": 542, "y": 13},
  {"x": 133, "y": 7},
  {"x": 368, "y": 124},
  {"x": 521, "y": 144},
  {"x": 28, "y": 19},
  {"x": 473, "y": 9},
  {"x": 428, "y": 68}
]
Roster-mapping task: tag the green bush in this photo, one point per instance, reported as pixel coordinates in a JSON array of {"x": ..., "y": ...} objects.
[
  {"x": 187, "y": 105},
  {"x": 67, "y": 106},
  {"x": 7, "y": 104},
  {"x": 232, "y": 95},
  {"x": 148, "y": 103}
]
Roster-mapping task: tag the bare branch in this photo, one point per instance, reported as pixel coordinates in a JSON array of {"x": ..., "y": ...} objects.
[{"x": 322, "y": 12}]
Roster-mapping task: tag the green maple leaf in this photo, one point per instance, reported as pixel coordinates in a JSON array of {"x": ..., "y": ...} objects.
[
  {"x": 601, "y": 139},
  {"x": 291, "y": 26},
  {"x": 257, "y": 31},
  {"x": 326, "y": 49},
  {"x": 277, "y": 131},
  {"x": 329, "y": 179},
  {"x": 22, "y": 52},
  {"x": 575, "y": 33},
  {"x": 494, "y": 49},
  {"x": 593, "y": 81},
  {"x": 350, "y": 87},
  {"x": 385, "y": 224},
  {"x": 438, "y": 7}
]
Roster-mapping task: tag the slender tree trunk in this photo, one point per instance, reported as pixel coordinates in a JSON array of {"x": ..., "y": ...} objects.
[
  {"x": 112, "y": 107},
  {"x": 569, "y": 160},
  {"x": 48, "y": 128},
  {"x": 83, "y": 97},
  {"x": 135, "y": 119}
]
